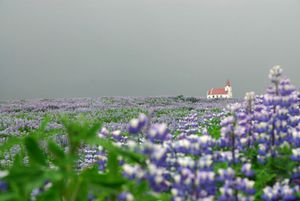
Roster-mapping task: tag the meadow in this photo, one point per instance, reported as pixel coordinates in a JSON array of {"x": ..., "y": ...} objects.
[{"x": 153, "y": 148}]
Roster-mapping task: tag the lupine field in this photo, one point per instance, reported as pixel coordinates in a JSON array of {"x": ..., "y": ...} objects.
[{"x": 153, "y": 148}]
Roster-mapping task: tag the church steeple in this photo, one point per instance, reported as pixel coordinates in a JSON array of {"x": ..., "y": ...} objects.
[{"x": 228, "y": 83}]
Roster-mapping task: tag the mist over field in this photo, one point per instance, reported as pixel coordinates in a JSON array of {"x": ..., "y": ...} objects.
[{"x": 73, "y": 48}]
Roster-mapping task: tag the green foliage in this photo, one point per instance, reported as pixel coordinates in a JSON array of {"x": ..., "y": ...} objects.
[
  {"x": 214, "y": 128},
  {"x": 47, "y": 161},
  {"x": 220, "y": 165},
  {"x": 214, "y": 131},
  {"x": 35, "y": 153},
  {"x": 215, "y": 110},
  {"x": 192, "y": 99},
  {"x": 274, "y": 169},
  {"x": 179, "y": 98}
]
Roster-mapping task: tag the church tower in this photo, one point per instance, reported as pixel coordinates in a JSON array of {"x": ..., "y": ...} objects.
[{"x": 228, "y": 89}]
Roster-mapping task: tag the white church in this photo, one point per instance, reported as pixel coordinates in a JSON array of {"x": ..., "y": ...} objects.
[{"x": 225, "y": 92}]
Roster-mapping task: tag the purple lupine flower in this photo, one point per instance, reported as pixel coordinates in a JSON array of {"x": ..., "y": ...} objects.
[
  {"x": 226, "y": 174},
  {"x": 158, "y": 178},
  {"x": 275, "y": 73},
  {"x": 227, "y": 194},
  {"x": 280, "y": 191},
  {"x": 296, "y": 173},
  {"x": 296, "y": 137},
  {"x": 143, "y": 120},
  {"x": 246, "y": 170},
  {"x": 104, "y": 132},
  {"x": 285, "y": 88},
  {"x": 134, "y": 126},
  {"x": 245, "y": 185},
  {"x": 125, "y": 196},
  {"x": 3, "y": 186},
  {"x": 133, "y": 171},
  {"x": 243, "y": 197},
  {"x": 158, "y": 133},
  {"x": 295, "y": 154},
  {"x": 117, "y": 135},
  {"x": 91, "y": 197}
]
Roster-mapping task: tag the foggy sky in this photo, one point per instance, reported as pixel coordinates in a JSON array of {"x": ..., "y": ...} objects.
[{"x": 81, "y": 48}]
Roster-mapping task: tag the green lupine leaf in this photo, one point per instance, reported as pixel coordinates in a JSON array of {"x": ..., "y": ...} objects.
[
  {"x": 35, "y": 153},
  {"x": 105, "y": 180},
  {"x": 57, "y": 151},
  {"x": 7, "y": 196}
]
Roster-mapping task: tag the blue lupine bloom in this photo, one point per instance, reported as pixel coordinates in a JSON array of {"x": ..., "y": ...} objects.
[
  {"x": 226, "y": 174},
  {"x": 285, "y": 88},
  {"x": 227, "y": 194},
  {"x": 3, "y": 186},
  {"x": 245, "y": 185},
  {"x": 125, "y": 196},
  {"x": 134, "y": 126},
  {"x": 246, "y": 170},
  {"x": 104, "y": 132},
  {"x": 295, "y": 154},
  {"x": 91, "y": 197},
  {"x": 158, "y": 133},
  {"x": 280, "y": 191},
  {"x": 262, "y": 149},
  {"x": 133, "y": 171},
  {"x": 143, "y": 120},
  {"x": 296, "y": 138},
  {"x": 275, "y": 73}
]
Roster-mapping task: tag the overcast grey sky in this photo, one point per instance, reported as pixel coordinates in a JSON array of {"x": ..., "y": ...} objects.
[{"x": 75, "y": 48}]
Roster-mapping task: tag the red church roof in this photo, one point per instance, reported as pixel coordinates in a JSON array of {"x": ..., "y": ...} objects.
[{"x": 217, "y": 91}]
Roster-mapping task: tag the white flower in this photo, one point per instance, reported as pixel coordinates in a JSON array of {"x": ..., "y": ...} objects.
[
  {"x": 296, "y": 152},
  {"x": 158, "y": 179},
  {"x": 247, "y": 167},
  {"x": 48, "y": 185},
  {"x": 134, "y": 123},
  {"x": 131, "y": 144},
  {"x": 128, "y": 169},
  {"x": 275, "y": 71},
  {"x": 187, "y": 181},
  {"x": 185, "y": 143},
  {"x": 249, "y": 184},
  {"x": 129, "y": 197},
  {"x": 162, "y": 128},
  {"x": 142, "y": 117},
  {"x": 3, "y": 173},
  {"x": 211, "y": 176},
  {"x": 249, "y": 96},
  {"x": 116, "y": 132},
  {"x": 177, "y": 178},
  {"x": 174, "y": 191},
  {"x": 204, "y": 139},
  {"x": 159, "y": 153}
]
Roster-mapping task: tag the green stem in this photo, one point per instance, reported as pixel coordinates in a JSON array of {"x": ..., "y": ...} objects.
[{"x": 75, "y": 192}]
